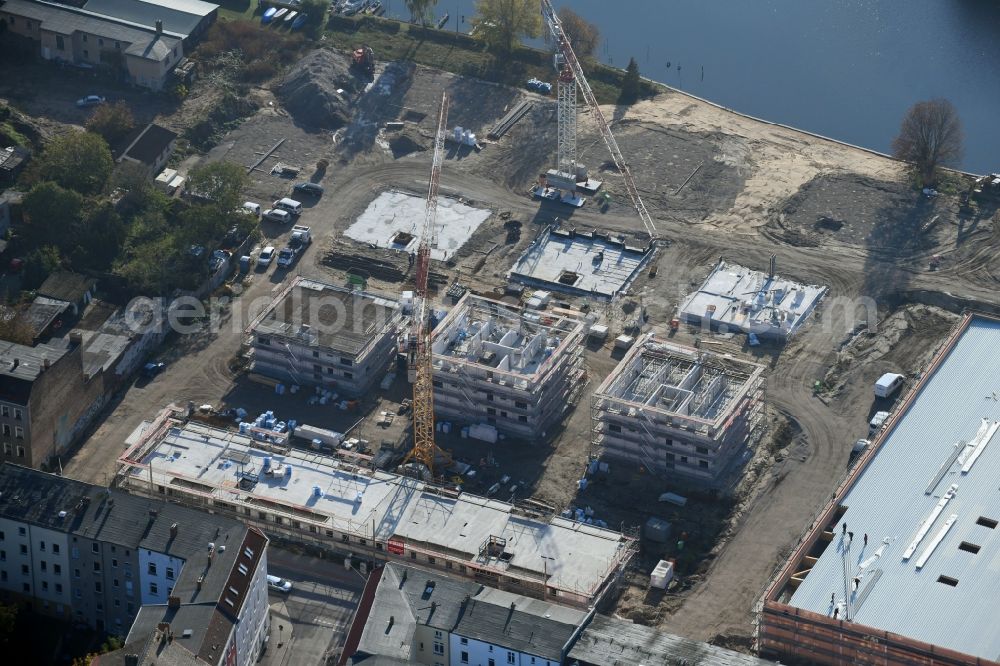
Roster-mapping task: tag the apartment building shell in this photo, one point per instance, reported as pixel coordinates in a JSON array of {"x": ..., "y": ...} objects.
[
  {"x": 678, "y": 410},
  {"x": 518, "y": 370}
]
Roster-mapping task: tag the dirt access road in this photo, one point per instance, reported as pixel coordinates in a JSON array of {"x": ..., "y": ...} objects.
[{"x": 771, "y": 165}]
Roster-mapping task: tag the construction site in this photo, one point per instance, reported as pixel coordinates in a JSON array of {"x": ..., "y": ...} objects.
[
  {"x": 678, "y": 410},
  {"x": 508, "y": 378}
]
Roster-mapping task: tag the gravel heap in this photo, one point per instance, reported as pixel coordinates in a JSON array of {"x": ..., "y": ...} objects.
[{"x": 309, "y": 90}]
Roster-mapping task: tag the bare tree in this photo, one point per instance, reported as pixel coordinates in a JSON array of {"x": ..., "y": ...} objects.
[{"x": 931, "y": 136}]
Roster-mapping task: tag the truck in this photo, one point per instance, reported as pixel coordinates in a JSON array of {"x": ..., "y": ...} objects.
[{"x": 300, "y": 238}]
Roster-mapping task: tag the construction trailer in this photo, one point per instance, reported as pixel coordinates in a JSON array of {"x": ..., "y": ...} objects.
[
  {"x": 499, "y": 364},
  {"x": 316, "y": 334},
  {"x": 679, "y": 411},
  {"x": 370, "y": 516}
]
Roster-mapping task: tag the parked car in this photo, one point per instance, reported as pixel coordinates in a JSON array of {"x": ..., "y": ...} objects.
[
  {"x": 312, "y": 189},
  {"x": 278, "y": 215},
  {"x": 266, "y": 255},
  {"x": 278, "y": 584},
  {"x": 859, "y": 447},
  {"x": 90, "y": 100},
  {"x": 252, "y": 208},
  {"x": 877, "y": 423},
  {"x": 291, "y": 205},
  {"x": 153, "y": 369}
]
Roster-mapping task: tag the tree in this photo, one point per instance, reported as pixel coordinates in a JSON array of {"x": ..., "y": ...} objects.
[
  {"x": 502, "y": 23},
  {"x": 420, "y": 10},
  {"x": 630, "y": 84},
  {"x": 931, "y": 136},
  {"x": 38, "y": 265},
  {"x": 583, "y": 34},
  {"x": 97, "y": 239},
  {"x": 78, "y": 161},
  {"x": 221, "y": 183},
  {"x": 111, "y": 121},
  {"x": 50, "y": 213}
]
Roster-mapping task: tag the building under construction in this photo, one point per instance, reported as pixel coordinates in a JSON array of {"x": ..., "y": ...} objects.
[
  {"x": 515, "y": 369},
  {"x": 679, "y": 411},
  {"x": 316, "y": 334},
  {"x": 371, "y": 516}
]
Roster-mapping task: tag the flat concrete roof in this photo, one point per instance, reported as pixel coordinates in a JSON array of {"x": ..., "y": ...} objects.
[
  {"x": 395, "y": 220},
  {"x": 927, "y": 500},
  {"x": 751, "y": 301},
  {"x": 579, "y": 263},
  {"x": 321, "y": 314},
  {"x": 193, "y": 456}
]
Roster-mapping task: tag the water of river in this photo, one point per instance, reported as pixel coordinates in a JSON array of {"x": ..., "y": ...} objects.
[{"x": 847, "y": 69}]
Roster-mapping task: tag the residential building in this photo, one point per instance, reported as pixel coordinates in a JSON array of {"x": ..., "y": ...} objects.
[
  {"x": 143, "y": 55},
  {"x": 679, "y": 411},
  {"x": 107, "y": 559},
  {"x": 316, "y": 334},
  {"x": 610, "y": 641},
  {"x": 426, "y": 618},
  {"x": 900, "y": 566},
  {"x": 498, "y": 364},
  {"x": 149, "y": 147},
  {"x": 13, "y": 159},
  {"x": 189, "y": 18},
  {"x": 46, "y": 399},
  {"x": 346, "y": 509}
]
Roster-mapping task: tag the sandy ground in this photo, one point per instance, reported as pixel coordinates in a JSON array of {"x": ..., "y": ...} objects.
[{"x": 719, "y": 185}]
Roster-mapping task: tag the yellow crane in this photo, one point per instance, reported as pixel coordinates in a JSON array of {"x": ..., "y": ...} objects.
[{"x": 421, "y": 368}]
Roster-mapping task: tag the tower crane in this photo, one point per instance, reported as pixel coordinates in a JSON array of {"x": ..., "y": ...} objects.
[
  {"x": 570, "y": 78},
  {"x": 421, "y": 367}
]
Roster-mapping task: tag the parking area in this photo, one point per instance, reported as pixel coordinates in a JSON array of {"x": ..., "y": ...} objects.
[{"x": 309, "y": 623}]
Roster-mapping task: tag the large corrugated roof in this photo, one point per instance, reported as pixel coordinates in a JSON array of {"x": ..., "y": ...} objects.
[
  {"x": 179, "y": 16},
  {"x": 948, "y": 439}
]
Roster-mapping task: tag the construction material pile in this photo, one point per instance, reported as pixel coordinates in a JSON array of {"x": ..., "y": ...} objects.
[{"x": 318, "y": 90}]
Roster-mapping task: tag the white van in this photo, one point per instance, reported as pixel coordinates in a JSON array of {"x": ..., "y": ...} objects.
[
  {"x": 888, "y": 384},
  {"x": 291, "y": 205},
  {"x": 251, "y": 208}
]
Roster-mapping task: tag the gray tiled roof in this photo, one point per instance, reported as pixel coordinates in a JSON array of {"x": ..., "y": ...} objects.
[
  {"x": 66, "y": 20},
  {"x": 609, "y": 641},
  {"x": 178, "y": 16}
]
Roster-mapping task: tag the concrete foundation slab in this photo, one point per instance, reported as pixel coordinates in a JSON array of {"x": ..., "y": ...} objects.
[
  {"x": 395, "y": 219},
  {"x": 579, "y": 263}
]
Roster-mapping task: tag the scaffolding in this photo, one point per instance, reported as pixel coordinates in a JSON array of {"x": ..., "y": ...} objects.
[{"x": 678, "y": 411}]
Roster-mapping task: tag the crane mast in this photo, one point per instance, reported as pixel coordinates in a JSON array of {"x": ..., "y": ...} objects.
[
  {"x": 574, "y": 67},
  {"x": 421, "y": 368}
]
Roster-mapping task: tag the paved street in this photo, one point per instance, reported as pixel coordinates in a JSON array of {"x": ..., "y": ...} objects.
[{"x": 310, "y": 622}]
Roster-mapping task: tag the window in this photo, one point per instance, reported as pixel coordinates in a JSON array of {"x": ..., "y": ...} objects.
[
  {"x": 58, "y": 588},
  {"x": 431, "y": 560},
  {"x": 316, "y": 355},
  {"x": 55, "y": 548},
  {"x": 521, "y": 405},
  {"x": 18, "y": 414},
  {"x": 129, "y": 607},
  {"x": 465, "y": 657},
  {"x": 20, "y": 450},
  {"x": 118, "y": 45},
  {"x": 438, "y": 383},
  {"x": 95, "y": 547},
  {"x": 114, "y": 582},
  {"x": 701, "y": 449},
  {"x": 6, "y": 430},
  {"x": 413, "y": 555},
  {"x": 98, "y": 587},
  {"x": 969, "y": 547},
  {"x": 114, "y": 563},
  {"x": 152, "y": 569},
  {"x": 7, "y": 449},
  {"x": 85, "y": 38},
  {"x": 3, "y": 555},
  {"x": 86, "y": 54},
  {"x": 703, "y": 463},
  {"x": 18, "y": 432},
  {"x": 22, "y": 531},
  {"x": 78, "y": 593},
  {"x": 614, "y": 427},
  {"x": 5, "y": 410},
  {"x": 438, "y": 648},
  {"x": 684, "y": 459},
  {"x": 76, "y": 573},
  {"x": 348, "y": 375},
  {"x": 45, "y": 586},
  {"x": 153, "y": 589},
  {"x": 346, "y": 361},
  {"x": 97, "y": 566},
  {"x": 100, "y": 41},
  {"x": 510, "y": 657},
  {"x": 118, "y": 603},
  {"x": 26, "y": 587},
  {"x": 464, "y": 641},
  {"x": 491, "y": 410},
  {"x": 3, "y": 575},
  {"x": 492, "y": 662},
  {"x": 522, "y": 418},
  {"x": 669, "y": 456},
  {"x": 60, "y": 44},
  {"x": 24, "y": 549},
  {"x": 947, "y": 580},
  {"x": 170, "y": 573},
  {"x": 489, "y": 396},
  {"x": 57, "y": 569},
  {"x": 983, "y": 521},
  {"x": 2, "y": 535},
  {"x": 45, "y": 566}
]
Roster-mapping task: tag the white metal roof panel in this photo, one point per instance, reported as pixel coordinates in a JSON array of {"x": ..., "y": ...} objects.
[{"x": 897, "y": 501}]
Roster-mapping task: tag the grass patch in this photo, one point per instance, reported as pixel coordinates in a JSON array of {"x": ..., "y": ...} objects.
[
  {"x": 461, "y": 54},
  {"x": 10, "y": 135}
]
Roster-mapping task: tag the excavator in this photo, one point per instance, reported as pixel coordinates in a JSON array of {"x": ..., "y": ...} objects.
[{"x": 363, "y": 60}]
